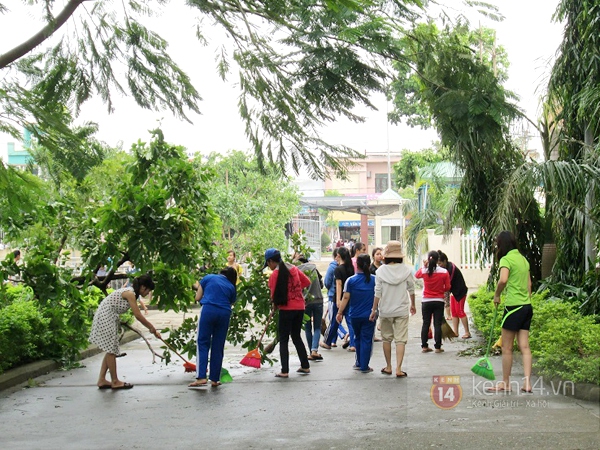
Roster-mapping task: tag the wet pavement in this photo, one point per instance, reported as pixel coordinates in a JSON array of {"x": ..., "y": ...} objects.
[{"x": 334, "y": 407}]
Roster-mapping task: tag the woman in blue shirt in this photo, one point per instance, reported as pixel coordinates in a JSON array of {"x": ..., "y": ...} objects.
[
  {"x": 216, "y": 295},
  {"x": 359, "y": 293}
]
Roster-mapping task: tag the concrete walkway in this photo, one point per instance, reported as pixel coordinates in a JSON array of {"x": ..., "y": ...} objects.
[{"x": 333, "y": 407}]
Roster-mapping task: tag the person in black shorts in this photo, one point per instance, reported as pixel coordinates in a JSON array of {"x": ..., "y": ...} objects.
[{"x": 516, "y": 321}]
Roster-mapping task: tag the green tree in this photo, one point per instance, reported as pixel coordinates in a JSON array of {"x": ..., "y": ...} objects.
[
  {"x": 254, "y": 207},
  {"x": 472, "y": 113},
  {"x": 573, "y": 88},
  {"x": 407, "y": 168},
  {"x": 305, "y": 65}
]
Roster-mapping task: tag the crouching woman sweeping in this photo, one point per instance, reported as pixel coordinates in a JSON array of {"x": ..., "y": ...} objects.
[
  {"x": 105, "y": 327},
  {"x": 216, "y": 295}
]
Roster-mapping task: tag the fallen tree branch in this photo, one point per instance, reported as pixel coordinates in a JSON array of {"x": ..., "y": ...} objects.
[{"x": 154, "y": 354}]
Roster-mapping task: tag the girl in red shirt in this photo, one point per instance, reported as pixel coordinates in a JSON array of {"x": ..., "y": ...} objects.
[
  {"x": 436, "y": 282},
  {"x": 286, "y": 284}
]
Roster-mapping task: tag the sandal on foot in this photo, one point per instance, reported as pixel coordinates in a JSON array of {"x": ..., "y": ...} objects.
[
  {"x": 215, "y": 383},
  {"x": 401, "y": 375},
  {"x": 325, "y": 346},
  {"x": 498, "y": 388},
  {"x": 385, "y": 371},
  {"x": 527, "y": 391},
  {"x": 105, "y": 386},
  {"x": 466, "y": 336},
  {"x": 197, "y": 385},
  {"x": 302, "y": 371},
  {"x": 426, "y": 350},
  {"x": 282, "y": 375},
  {"x": 124, "y": 386}
]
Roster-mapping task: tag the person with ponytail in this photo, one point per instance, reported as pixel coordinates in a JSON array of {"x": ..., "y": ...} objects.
[
  {"x": 458, "y": 295},
  {"x": 105, "y": 327},
  {"x": 436, "y": 282},
  {"x": 518, "y": 312},
  {"x": 359, "y": 294},
  {"x": 286, "y": 284},
  {"x": 343, "y": 271}
]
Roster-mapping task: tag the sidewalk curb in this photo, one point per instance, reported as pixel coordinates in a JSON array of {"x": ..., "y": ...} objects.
[
  {"x": 582, "y": 391},
  {"x": 23, "y": 373}
]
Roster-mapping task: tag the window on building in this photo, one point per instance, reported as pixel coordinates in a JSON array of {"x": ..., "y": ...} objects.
[
  {"x": 10, "y": 147},
  {"x": 381, "y": 182},
  {"x": 390, "y": 234}
]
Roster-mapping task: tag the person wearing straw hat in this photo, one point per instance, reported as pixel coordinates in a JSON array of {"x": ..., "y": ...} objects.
[
  {"x": 286, "y": 284},
  {"x": 395, "y": 300},
  {"x": 216, "y": 294}
]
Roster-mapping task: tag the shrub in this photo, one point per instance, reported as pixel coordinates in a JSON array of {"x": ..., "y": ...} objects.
[
  {"x": 24, "y": 334},
  {"x": 564, "y": 343},
  {"x": 9, "y": 294},
  {"x": 325, "y": 241},
  {"x": 568, "y": 349}
]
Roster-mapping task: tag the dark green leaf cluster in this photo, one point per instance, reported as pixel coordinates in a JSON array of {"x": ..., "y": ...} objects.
[
  {"x": 310, "y": 63},
  {"x": 574, "y": 99},
  {"x": 472, "y": 113}
]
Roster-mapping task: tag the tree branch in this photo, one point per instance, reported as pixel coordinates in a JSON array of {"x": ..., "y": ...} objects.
[
  {"x": 154, "y": 354},
  {"x": 50, "y": 28}
]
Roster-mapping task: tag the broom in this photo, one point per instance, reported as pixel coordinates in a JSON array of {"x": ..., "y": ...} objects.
[
  {"x": 253, "y": 358},
  {"x": 225, "y": 376},
  {"x": 483, "y": 366},
  {"x": 188, "y": 366},
  {"x": 447, "y": 331}
]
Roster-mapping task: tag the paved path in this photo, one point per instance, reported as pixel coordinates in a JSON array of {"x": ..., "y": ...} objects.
[{"x": 333, "y": 407}]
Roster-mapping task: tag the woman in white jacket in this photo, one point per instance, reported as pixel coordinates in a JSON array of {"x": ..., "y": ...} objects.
[{"x": 395, "y": 298}]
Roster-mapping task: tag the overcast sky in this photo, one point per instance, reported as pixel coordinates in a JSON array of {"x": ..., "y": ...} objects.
[{"x": 527, "y": 34}]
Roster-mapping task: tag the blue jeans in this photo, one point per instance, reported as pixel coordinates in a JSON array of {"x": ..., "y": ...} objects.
[
  {"x": 212, "y": 332},
  {"x": 334, "y": 330},
  {"x": 313, "y": 331},
  {"x": 364, "y": 331}
]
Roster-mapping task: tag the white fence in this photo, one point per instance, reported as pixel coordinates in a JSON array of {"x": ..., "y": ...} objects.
[
  {"x": 469, "y": 259},
  {"x": 462, "y": 250},
  {"x": 312, "y": 230}
]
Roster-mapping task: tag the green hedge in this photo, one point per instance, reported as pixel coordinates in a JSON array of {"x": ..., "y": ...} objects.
[
  {"x": 564, "y": 343},
  {"x": 24, "y": 334},
  {"x": 31, "y": 330}
]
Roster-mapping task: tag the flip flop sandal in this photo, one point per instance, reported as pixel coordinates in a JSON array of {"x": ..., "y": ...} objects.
[
  {"x": 404, "y": 375},
  {"x": 215, "y": 384},
  {"x": 105, "y": 386},
  {"x": 125, "y": 386},
  {"x": 466, "y": 336},
  {"x": 196, "y": 385},
  {"x": 281, "y": 375},
  {"x": 497, "y": 389},
  {"x": 385, "y": 372},
  {"x": 302, "y": 371}
]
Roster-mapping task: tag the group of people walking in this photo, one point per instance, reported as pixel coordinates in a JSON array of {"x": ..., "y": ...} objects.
[{"x": 360, "y": 290}]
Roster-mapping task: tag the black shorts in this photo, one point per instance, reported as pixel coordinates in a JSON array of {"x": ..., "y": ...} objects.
[{"x": 517, "y": 317}]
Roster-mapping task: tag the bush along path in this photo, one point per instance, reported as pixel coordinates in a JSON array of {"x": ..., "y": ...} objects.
[{"x": 565, "y": 344}]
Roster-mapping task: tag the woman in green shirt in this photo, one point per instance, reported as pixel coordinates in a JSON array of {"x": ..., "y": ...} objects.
[{"x": 514, "y": 276}]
